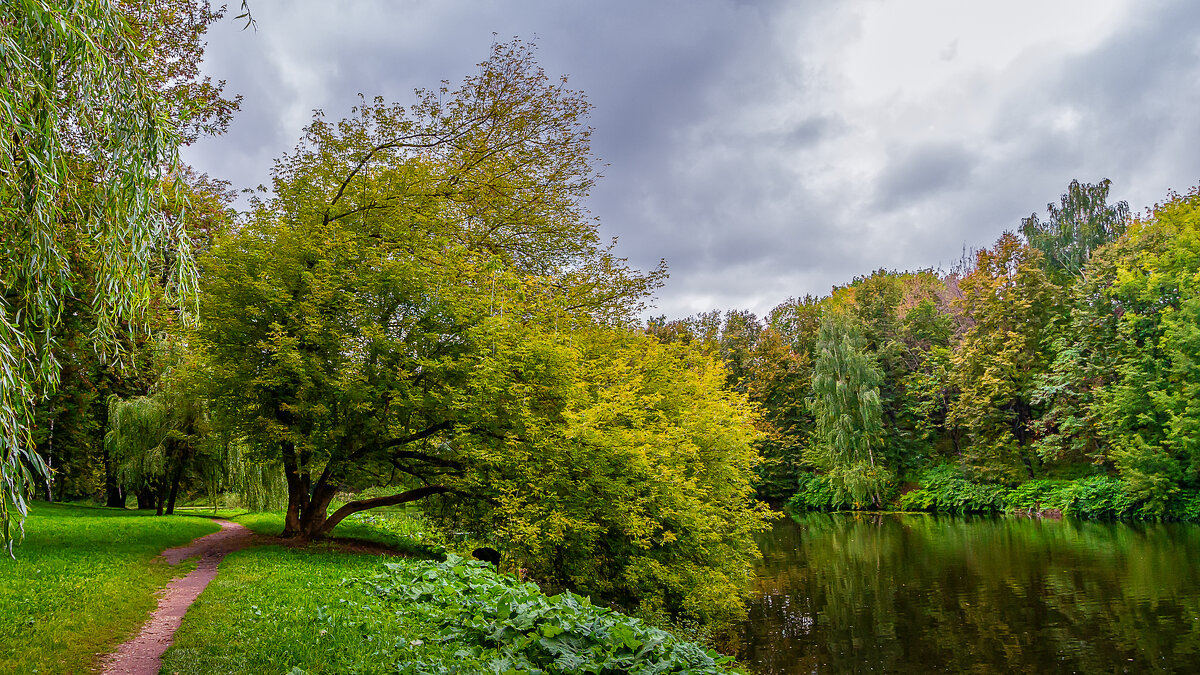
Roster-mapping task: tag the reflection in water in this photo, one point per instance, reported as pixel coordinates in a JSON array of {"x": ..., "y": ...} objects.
[{"x": 849, "y": 593}]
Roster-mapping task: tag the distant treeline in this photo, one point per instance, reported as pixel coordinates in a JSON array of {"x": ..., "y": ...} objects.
[{"x": 1056, "y": 370}]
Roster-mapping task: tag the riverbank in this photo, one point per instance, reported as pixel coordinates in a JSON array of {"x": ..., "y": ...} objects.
[
  {"x": 372, "y": 600},
  {"x": 944, "y": 489}
]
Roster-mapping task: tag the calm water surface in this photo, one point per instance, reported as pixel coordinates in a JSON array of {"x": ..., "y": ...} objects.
[{"x": 859, "y": 593}]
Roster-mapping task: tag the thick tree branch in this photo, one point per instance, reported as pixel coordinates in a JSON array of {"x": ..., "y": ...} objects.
[
  {"x": 397, "y": 442},
  {"x": 376, "y": 502}
]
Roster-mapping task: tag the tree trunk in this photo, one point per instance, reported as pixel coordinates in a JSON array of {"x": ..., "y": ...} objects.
[
  {"x": 145, "y": 498},
  {"x": 175, "y": 481},
  {"x": 183, "y": 458},
  {"x": 160, "y": 498},
  {"x": 314, "y": 516},
  {"x": 113, "y": 496},
  {"x": 297, "y": 486}
]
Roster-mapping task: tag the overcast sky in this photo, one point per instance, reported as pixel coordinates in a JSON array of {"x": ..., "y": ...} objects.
[{"x": 772, "y": 149}]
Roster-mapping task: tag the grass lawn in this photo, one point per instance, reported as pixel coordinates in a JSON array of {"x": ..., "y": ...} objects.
[{"x": 84, "y": 580}]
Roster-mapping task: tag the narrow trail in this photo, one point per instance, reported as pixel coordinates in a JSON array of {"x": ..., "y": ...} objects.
[{"x": 143, "y": 654}]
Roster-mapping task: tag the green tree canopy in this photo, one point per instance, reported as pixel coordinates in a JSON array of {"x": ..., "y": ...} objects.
[
  {"x": 1011, "y": 304},
  {"x": 343, "y": 322},
  {"x": 424, "y": 306},
  {"x": 1123, "y": 390},
  {"x": 1081, "y": 223}
]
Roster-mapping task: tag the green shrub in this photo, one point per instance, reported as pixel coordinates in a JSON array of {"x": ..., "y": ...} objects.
[
  {"x": 1185, "y": 505},
  {"x": 943, "y": 489},
  {"x": 1101, "y": 497},
  {"x": 1039, "y": 495},
  {"x": 816, "y": 493},
  {"x": 281, "y": 610}
]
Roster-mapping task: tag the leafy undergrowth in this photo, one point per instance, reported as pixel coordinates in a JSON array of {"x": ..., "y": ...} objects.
[
  {"x": 84, "y": 580},
  {"x": 944, "y": 489},
  {"x": 279, "y": 610}
]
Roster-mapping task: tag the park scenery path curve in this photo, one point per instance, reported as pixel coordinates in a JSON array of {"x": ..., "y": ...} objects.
[{"x": 143, "y": 654}]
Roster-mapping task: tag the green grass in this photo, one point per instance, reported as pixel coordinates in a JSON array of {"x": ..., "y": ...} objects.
[
  {"x": 84, "y": 580},
  {"x": 404, "y": 530},
  {"x": 209, "y": 512},
  {"x": 280, "y": 610}
]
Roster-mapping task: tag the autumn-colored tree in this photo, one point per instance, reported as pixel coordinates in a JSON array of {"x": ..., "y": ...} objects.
[
  {"x": 343, "y": 322},
  {"x": 423, "y": 307},
  {"x": 1011, "y": 304},
  {"x": 780, "y": 383},
  {"x": 613, "y": 464}
]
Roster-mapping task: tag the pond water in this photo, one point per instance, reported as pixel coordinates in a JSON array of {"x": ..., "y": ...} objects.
[{"x": 889, "y": 593}]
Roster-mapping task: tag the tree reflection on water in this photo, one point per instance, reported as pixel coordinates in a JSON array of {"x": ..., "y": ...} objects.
[{"x": 919, "y": 593}]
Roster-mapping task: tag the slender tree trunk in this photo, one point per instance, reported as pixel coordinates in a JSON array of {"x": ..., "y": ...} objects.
[
  {"x": 114, "y": 498},
  {"x": 49, "y": 493},
  {"x": 177, "y": 478},
  {"x": 160, "y": 497}
]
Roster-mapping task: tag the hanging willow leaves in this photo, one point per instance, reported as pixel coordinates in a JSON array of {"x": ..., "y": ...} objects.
[
  {"x": 87, "y": 146},
  {"x": 156, "y": 439}
]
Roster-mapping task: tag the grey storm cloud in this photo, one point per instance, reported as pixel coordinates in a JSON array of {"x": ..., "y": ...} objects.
[
  {"x": 772, "y": 149},
  {"x": 922, "y": 173}
]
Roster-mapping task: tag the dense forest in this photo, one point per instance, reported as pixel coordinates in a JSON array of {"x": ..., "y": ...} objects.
[{"x": 1052, "y": 372}]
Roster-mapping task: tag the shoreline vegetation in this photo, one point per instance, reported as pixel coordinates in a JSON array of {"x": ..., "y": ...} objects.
[{"x": 944, "y": 490}]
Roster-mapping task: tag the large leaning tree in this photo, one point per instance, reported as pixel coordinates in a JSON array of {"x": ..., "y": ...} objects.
[
  {"x": 95, "y": 99},
  {"x": 424, "y": 307},
  {"x": 347, "y": 325}
]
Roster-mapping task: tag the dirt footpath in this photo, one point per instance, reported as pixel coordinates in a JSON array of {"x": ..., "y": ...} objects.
[{"x": 143, "y": 654}]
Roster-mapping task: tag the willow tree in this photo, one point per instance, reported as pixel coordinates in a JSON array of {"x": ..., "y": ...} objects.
[
  {"x": 848, "y": 439},
  {"x": 153, "y": 440},
  {"x": 87, "y": 139}
]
